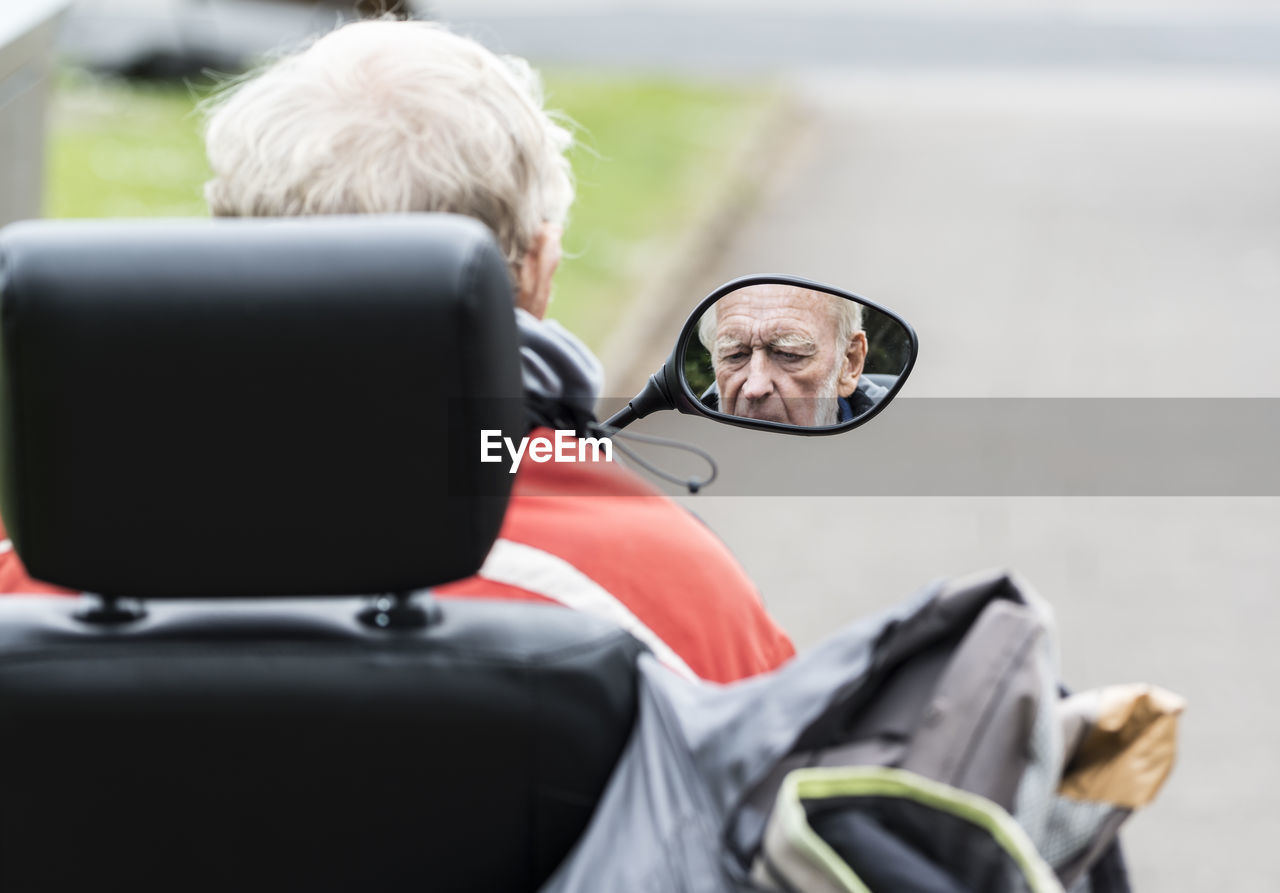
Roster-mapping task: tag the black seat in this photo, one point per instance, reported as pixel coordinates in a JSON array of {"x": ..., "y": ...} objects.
[{"x": 231, "y": 431}]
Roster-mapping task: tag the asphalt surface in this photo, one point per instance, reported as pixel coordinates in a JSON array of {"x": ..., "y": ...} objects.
[
  {"x": 1048, "y": 235},
  {"x": 716, "y": 41}
]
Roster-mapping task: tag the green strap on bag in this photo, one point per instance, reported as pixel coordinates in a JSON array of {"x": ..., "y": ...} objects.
[{"x": 796, "y": 857}]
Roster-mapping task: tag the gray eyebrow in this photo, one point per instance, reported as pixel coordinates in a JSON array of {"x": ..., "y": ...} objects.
[{"x": 793, "y": 340}]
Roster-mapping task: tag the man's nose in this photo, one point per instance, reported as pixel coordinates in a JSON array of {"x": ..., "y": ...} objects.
[{"x": 759, "y": 383}]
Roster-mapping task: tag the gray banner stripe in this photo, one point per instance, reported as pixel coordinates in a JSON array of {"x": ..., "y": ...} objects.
[{"x": 1001, "y": 447}]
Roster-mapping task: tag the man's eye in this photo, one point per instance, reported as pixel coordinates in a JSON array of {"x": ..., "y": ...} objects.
[
  {"x": 737, "y": 355},
  {"x": 787, "y": 355}
]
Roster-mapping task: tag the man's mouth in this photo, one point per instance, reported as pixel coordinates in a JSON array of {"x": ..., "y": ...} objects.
[{"x": 766, "y": 412}]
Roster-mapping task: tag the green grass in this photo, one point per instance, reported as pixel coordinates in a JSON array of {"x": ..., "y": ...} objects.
[
  {"x": 118, "y": 150},
  {"x": 650, "y": 152}
]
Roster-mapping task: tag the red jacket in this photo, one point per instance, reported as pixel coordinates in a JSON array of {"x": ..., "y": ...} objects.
[
  {"x": 13, "y": 576},
  {"x": 596, "y": 538}
]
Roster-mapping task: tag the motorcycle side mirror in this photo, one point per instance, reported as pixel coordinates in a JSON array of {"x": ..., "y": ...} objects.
[{"x": 780, "y": 353}]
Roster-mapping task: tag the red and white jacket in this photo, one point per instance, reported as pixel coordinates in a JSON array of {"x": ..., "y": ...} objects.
[{"x": 595, "y": 538}]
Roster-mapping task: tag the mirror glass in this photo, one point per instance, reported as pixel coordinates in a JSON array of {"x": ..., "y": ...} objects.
[{"x": 793, "y": 355}]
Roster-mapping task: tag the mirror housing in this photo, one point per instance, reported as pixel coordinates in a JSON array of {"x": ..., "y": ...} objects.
[{"x": 776, "y": 362}]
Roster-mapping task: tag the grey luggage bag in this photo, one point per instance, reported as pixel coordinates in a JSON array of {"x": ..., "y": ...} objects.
[{"x": 930, "y": 735}]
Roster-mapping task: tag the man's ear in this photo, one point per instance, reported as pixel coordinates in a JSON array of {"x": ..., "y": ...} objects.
[
  {"x": 854, "y": 357},
  {"x": 537, "y": 268}
]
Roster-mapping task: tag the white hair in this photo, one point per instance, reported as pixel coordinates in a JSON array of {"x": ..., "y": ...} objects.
[
  {"x": 826, "y": 403},
  {"x": 387, "y": 117},
  {"x": 848, "y": 317}
]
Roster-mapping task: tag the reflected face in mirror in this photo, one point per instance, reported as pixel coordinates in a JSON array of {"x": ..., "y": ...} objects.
[{"x": 781, "y": 353}]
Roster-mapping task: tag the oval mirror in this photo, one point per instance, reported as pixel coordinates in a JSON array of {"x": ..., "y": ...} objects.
[{"x": 787, "y": 354}]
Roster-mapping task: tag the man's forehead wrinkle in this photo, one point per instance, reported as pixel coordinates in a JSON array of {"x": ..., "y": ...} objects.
[
  {"x": 768, "y": 303},
  {"x": 799, "y": 317},
  {"x": 778, "y": 291},
  {"x": 773, "y": 328},
  {"x": 784, "y": 332}
]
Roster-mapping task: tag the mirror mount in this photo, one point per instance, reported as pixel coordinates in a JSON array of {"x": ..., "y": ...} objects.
[{"x": 655, "y": 397}]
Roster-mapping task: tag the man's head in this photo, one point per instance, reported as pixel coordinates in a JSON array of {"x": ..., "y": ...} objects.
[
  {"x": 388, "y": 117},
  {"x": 783, "y": 353}
]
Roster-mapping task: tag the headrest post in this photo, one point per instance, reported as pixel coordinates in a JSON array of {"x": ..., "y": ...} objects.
[
  {"x": 403, "y": 610},
  {"x": 107, "y": 610}
]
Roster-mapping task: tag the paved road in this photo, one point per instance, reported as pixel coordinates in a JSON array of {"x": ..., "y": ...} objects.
[
  {"x": 1051, "y": 236},
  {"x": 720, "y": 36},
  {"x": 777, "y": 37}
]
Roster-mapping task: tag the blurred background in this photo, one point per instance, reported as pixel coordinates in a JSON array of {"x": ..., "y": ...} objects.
[{"x": 1066, "y": 199}]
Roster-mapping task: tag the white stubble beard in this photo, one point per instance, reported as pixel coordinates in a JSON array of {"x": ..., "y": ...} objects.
[{"x": 826, "y": 409}]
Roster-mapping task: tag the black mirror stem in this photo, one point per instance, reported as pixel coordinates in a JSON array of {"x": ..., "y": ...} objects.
[{"x": 654, "y": 398}]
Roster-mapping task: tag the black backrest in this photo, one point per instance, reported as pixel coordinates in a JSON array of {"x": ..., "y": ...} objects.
[
  {"x": 291, "y": 406},
  {"x": 285, "y": 742}
]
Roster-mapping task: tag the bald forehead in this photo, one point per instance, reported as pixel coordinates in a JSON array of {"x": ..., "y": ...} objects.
[{"x": 776, "y": 299}]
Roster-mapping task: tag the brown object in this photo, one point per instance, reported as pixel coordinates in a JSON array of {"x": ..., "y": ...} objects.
[{"x": 1126, "y": 756}]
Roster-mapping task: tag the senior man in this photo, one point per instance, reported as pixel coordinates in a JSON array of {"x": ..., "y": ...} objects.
[
  {"x": 786, "y": 354},
  {"x": 386, "y": 117}
]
